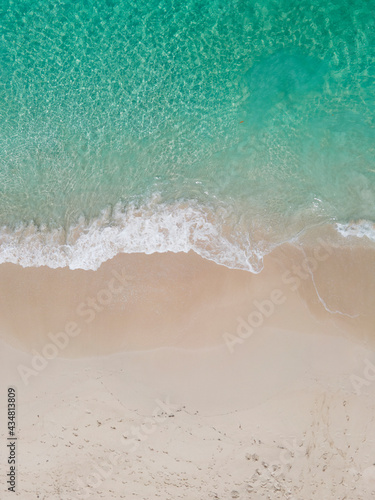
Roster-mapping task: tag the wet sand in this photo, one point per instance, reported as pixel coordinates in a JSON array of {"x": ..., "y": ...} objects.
[{"x": 138, "y": 301}]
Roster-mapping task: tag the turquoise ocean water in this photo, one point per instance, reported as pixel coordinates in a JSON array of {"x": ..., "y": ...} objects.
[{"x": 225, "y": 127}]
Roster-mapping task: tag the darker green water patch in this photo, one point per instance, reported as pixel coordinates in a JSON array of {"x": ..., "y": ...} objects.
[{"x": 283, "y": 78}]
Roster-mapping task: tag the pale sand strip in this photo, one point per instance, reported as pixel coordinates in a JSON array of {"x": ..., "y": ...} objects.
[{"x": 281, "y": 417}]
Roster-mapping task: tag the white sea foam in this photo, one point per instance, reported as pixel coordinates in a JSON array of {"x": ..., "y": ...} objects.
[
  {"x": 359, "y": 229},
  {"x": 154, "y": 228}
]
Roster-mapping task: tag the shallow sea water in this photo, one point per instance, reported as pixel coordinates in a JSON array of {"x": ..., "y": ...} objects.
[{"x": 223, "y": 127}]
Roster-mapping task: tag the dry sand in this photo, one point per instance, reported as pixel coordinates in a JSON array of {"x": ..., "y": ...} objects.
[{"x": 279, "y": 410}]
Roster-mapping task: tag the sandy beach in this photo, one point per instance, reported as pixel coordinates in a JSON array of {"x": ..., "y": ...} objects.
[
  {"x": 168, "y": 376},
  {"x": 187, "y": 250}
]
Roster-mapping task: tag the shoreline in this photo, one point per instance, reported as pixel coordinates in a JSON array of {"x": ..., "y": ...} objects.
[{"x": 220, "y": 235}]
